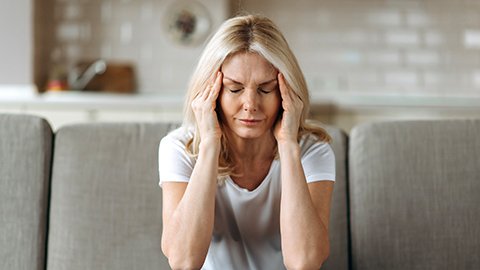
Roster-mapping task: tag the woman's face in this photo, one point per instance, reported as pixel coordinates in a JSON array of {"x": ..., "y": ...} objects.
[{"x": 250, "y": 99}]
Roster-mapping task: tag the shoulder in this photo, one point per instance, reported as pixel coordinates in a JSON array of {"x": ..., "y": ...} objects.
[
  {"x": 179, "y": 136},
  {"x": 174, "y": 163},
  {"x": 309, "y": 143},
  {"x": 317, "y": 158},
  {"x": 175, "y": 142}
]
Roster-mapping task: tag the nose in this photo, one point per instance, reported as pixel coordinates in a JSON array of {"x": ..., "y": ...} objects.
[{"x": 250, "y": 102}]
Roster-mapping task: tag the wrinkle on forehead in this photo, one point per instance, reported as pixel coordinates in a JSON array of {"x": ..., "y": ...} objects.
[{"x": 248, "y": 68}]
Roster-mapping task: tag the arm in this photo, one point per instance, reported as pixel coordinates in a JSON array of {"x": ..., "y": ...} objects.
[
  {"x": 304, "y": 208},
  {"x": 304, "y": 213},
  {"x": 188, "y": 209},
  {"x": 188, "y": 213}
]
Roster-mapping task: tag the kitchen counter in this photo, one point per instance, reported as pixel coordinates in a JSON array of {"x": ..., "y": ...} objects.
[
  {"x": 68, "y": 107},
  {"x": 341, "y": 109},
  {"x": 91, "y": 100},
  {"x": 96, "y": 100}
]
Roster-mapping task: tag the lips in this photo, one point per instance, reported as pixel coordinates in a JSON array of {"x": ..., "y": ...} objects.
[{"x": 250, "y": 122}]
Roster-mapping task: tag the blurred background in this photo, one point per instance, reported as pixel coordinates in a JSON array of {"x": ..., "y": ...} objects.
[{"x": 130, "y": 60}]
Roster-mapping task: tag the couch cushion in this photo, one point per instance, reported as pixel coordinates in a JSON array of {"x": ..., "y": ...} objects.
[
  {"x": 105, "y": 199},
  {"x": 414, "y": 194},
  {"x": 25, "y": 159},
  {"x": 338, "y": 228}
]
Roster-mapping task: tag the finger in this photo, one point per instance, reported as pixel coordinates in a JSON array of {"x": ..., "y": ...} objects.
[
  {"x": 217, "y": 86},
  {"x": 209, "y": 84},
  {"x": 206, "y": 92},
  {"x": 213, "y": 78},
  {"x": 284, "y": 89},
  {"x": 290, "y": 92},
  {"x": 199, "y": 93},
  {"x": 294, "y": 97},
  {"x": 214, "y": 89}
]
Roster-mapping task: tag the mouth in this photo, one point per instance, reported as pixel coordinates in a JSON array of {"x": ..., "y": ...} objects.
[{"x": 250, "y": 122}]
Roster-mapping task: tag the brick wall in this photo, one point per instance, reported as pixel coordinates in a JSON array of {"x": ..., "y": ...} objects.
[
  {"x": 128, "y": 31},
  {"x": 417, "y": 47},
  {"x": 424, "y": 47}
]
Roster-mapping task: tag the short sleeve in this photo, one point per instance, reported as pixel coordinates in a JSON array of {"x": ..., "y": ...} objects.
[
  {"x": 174, "y": 164},
  {"x": 318, "y": 161}
]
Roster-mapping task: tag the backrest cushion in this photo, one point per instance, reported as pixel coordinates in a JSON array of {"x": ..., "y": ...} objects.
[
  {"x": 25, "y": 161},
  {"x": 415, "y": 195},
  {"x": 338, "y": 227},
  {"x": 105, "y": 201}
]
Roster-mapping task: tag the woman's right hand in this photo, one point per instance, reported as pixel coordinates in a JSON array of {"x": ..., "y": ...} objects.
[{"x": 203, "y": 107}]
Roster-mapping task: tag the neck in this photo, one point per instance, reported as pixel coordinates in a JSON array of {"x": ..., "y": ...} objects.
[{"x": 252, "y": 150}]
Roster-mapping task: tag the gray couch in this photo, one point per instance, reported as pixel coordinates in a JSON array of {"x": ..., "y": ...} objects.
[{"x": 407, "y": 196}]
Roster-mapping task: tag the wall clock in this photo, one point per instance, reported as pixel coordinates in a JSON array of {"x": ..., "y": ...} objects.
[{"x": 187, "y": 22}]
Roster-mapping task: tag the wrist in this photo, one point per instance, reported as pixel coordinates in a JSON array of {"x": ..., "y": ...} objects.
[
  {"x": 288, "y": 147},
  {"x": 210, "y": 144}
]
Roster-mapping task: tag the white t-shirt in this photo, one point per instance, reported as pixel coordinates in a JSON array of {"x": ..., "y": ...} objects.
[{"x": 246, "y": 232}]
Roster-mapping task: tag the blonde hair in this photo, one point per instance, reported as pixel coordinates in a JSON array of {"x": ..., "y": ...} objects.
[{"x": 255, "y": 34}]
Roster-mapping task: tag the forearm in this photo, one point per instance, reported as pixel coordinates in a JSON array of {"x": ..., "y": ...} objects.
[
  {"x": 189, "y": 231},
  {"x": 304, "y": 236}
]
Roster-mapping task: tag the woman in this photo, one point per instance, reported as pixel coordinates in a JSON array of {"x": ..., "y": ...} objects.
[{"x": 245, "y": 179}]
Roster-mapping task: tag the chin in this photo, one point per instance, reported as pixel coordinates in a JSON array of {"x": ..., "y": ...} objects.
[{"x": 251, "y": 133}]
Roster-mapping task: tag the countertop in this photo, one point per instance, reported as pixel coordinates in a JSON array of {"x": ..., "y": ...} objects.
[
  {"x": 90, "y": 100},
  {"x": 15, "y": 97}
]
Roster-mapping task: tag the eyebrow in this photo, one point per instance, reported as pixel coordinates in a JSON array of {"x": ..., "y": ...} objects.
[{"x": 236, "y": 82}]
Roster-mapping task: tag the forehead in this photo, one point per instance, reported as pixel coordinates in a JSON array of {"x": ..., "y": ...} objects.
[{"x": 248, "y": 65}]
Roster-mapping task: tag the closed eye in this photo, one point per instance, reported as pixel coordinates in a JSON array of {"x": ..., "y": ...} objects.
[
  {"x": 267, "y": 90},
  {"x": 234, "y": 90},
  {"x": 264, "y": 91},
  {"x": 268, "y": 87}
]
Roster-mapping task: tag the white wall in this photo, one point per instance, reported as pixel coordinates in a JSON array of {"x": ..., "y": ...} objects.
[
  {"x": 382, "y": 47},
  {"x": 130, "y": 31},
  {"x": 16, "y": 32}
]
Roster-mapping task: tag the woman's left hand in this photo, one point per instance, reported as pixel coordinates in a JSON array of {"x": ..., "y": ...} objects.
[{"x": 287, "y": 126}]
